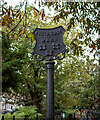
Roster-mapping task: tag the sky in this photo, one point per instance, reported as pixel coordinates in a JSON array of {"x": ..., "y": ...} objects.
[
  {"x": 12, "y": 2},
  {"x": 16, "y": 2}
]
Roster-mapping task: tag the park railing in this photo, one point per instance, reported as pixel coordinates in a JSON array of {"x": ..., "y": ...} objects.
[
  {"x": 58, "y": 117},
  {"x": 36, "y": 118}
]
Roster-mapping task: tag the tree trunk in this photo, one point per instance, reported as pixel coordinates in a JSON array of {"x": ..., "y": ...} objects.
[{"x": 36, "y": 98}]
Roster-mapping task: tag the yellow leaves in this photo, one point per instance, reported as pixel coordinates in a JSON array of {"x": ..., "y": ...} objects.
[
  {"x": 76, "y": 80},
  {"x": 75, "y": 101},
  {"x": 38, "y": 13},
  {"x": 12, "y": 36},
  {"x": 22, "y": 31},
  {"x": 16, "y": 37},
  {"x": 18, "y": 13},
  {"x": 20, "y": 17},
  {"x": 88, "y": 76},
  {"x": 53, "y": 3},
  {"x": 7, "y": 21},
  {"x": 30, "y": 35},
  {"x": 35, "y": 14}
]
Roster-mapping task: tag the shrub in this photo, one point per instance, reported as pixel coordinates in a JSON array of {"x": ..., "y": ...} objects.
[
  {"x": 8, "y": 116},
  {"x": 29, "y": 111}
]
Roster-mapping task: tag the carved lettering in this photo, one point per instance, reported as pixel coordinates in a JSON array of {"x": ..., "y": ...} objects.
[
  {"x": 48, "y": 33},
  {"x": 47, "y": 40},
  {"x": 54, "y": 40},
  {"x": 43, "y": 40},
  {"x": 42, "y": 47},
  {"x": 56, "y": 46},
  {"x": 49, "y": 53}
]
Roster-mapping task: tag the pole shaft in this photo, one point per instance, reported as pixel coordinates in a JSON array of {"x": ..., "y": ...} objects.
[
  {"x": 50, "y": 90},
  {"x": 2, "y": 117}
]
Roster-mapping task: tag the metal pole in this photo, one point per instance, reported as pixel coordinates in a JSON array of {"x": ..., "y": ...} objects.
[
  {"x": 61, "y": 117},
  {"x": 2, "y": 117},
  {"x": 13, "y": 117},
  {"x": 74, "y": 115},
  {"x": 50, "y": 90},
  {"x": 36, "y": 116},
  {"x": 25, "y": 117}
]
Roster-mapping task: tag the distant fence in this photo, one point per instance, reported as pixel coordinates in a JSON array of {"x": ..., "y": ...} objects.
[
  {"x": 43, "y": 118},
  {"x": 58, "y": 117},
  {"x": 36, "y": 118}
]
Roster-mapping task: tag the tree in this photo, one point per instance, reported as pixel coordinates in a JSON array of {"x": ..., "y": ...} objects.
[
  {"x": 26, "y": 74},
  {"x": 23, "y": 70},
  {"x": 82, "y": 16},
  {"x": 76, "y": 83}
]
